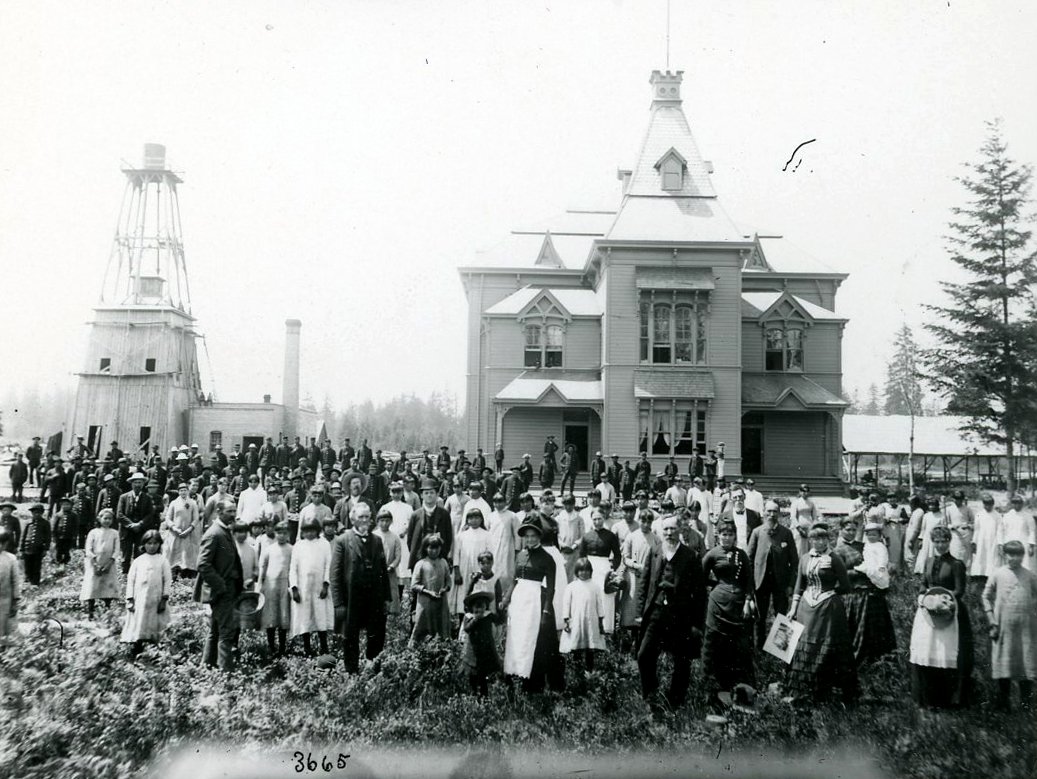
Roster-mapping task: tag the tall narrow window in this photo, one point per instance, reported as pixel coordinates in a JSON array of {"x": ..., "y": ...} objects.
[
  {"x": 215, "y": 439},
  {"x": 662, "y": 334},
  {"x": 661, "y": 433},
  {"x": 683, "y": 334},
  {"x": 145, "y": 439},
  {"x": 700, "y": 433},
  {"x": 645, "y": 310},
  {"x": 793, "y": 350},
  {"x": 700, "y": 335},
  {"x": 554, "y": 342},
  {"x": 149, "y": 365},
  {"x": 643, "y": 428},
  {"x": 533, "y": 350},
  {"x": 686, "y": 432},
  {"x": 775, "y": 345},
  {"x": 106, "y": 365}
]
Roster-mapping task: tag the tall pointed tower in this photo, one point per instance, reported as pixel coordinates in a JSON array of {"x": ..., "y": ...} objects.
[{"x": 140, "y": 373}]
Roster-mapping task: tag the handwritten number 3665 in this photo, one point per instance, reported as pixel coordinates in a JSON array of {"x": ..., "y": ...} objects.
[{"x": 308, "y": 763}]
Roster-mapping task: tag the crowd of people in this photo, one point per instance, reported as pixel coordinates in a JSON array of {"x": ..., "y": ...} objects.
[{"x": 302, "y": 542}]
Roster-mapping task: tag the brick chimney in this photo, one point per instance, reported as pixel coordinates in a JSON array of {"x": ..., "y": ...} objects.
[{"x": 290, "y": 392}]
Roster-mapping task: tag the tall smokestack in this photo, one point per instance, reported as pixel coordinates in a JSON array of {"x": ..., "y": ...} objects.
[{"x": 290, "y": 392}]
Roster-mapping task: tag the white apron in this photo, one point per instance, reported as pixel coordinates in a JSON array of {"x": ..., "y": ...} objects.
[
  {"x": 602, "y": 568},
  {"x": 933, "y": 646},
  {"x": 523, "y": 628}
]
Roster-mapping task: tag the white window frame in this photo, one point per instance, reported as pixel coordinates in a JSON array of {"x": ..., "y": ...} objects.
[
  {"x": 672, "y": 413},
  {"x": 649, "y": 308}
]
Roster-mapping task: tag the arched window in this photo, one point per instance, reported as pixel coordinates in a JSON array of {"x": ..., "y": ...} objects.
[
  {"x": 662, "y": 334},
  {"x": 784, "y": 349},
  {"x": 544, "y": 346},
  {"x": 673, "y": 333},
  {"x": 534, "y": 356},
  {"x": 554, "y": 343},
  {"x": 683, "y": 334}
]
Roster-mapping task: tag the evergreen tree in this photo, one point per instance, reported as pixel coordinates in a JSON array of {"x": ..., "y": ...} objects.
[
  {"x": 874, "y": 404},
  {"x": 985, "y": 363},
  {"x": 903, "y": 389}
]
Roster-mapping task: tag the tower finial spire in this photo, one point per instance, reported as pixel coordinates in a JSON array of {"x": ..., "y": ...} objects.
[{"x": 667, "y": 34}]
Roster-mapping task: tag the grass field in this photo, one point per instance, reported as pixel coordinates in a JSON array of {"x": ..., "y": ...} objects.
[{"x": 81, "y": 709}]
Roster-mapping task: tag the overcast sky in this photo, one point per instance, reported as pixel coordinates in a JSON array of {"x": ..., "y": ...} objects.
[{"x": 342, "y": 159}]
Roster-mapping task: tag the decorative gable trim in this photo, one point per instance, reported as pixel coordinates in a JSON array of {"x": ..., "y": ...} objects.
[
  {"x": 548, "y": 256},
  {"x": 755, "y": 259},
  {"x": 786, "y": 310},
  {"x": 672, "y": 153},
  {"x": 544, "y": 306}
]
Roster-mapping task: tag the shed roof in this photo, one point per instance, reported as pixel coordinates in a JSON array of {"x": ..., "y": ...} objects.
[
  {"x": 871, "y": 434},
  {"x": 694, "y": 385},
  {"x": 533, "y": 389},
  {"x": 578, "y": 302},
  {"x": 769, "y": 390}
]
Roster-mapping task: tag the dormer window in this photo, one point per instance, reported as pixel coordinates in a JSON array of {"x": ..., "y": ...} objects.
[
  {"x": 784, "y": 351},
  {"x": 544, "y": 346},
  {"x": 671, "y": 167}
]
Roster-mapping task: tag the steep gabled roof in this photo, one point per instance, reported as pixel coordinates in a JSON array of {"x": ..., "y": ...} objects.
[
  {"x": 548, "y": 255},
  {"x": 784, "y": 305},
  {"x": 570, "y": 302}
]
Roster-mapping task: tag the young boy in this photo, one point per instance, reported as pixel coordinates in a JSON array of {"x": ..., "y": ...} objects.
[
  {"x": 35, "y": 543},
  {"x": 65, "y": 531},
  {"x": 1010, "y": 601},
  {"x": 480, "y": 650}
]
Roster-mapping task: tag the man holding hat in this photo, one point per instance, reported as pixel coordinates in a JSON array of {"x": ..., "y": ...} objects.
[
  {"x": 220, "y": 581},
  {"x": 772, "y": 552},
  {"x": 672, "y": 605},
  {"x": 136, "y": 514}
]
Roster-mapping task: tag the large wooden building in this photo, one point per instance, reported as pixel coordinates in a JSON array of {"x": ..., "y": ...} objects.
[{"x": 658, "y": 327}]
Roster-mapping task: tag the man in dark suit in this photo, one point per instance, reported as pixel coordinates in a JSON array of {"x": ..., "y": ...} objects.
[
  {"x": 746, "y": 520},
  {"x": 136, "y": 514},
  {"x": 346, "y": 453},
  {"x": 430, "y": 518},
  {"x": 18, "y": 474},
  {"x": 219, "y": 583},
  {"x": 513, "y": 487},
  {"x": 359, "y": 588},
  {"x": 772, "y": 551},
  {"x": 364, "y": 456},
  {"x": 672, "y": 606}
]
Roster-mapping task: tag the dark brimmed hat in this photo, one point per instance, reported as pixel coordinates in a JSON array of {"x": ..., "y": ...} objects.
[
  {"x": 528, "y": 525},
  {"x": 249, "y": 603},
  {"x": 7, "y": 504},
  {"x": 478, "y": 597},
  {"x": 37, "y": 507}
]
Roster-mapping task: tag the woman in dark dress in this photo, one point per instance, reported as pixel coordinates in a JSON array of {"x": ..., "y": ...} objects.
[
  {"x": 941, "y": 650},
  {"x": 823, "y": 660},
  {"x": 727, "y": 652},
  {"x": 871, "y": 627},
  {"x": 531, "y": 646}
]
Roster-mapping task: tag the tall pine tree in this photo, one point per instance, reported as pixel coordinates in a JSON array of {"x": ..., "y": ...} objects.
[
  {"x": 985, "y": 363},
  {"x": 903, "y": 389}
]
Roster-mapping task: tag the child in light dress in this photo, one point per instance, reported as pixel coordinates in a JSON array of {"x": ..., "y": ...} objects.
[
  {"x": 583, "y": 609},
  {"x": 100, "y": 564},
  {"x": 1010, "y": 601},
  {"x": 430, "y": 582},
  {"x": 393, "y": 553},
  {"x": 309, "y": 577},
  {"x": 10, "y": 586},
  {"x": 276, "y": 616},
  {"x": 147, "y": 595}
]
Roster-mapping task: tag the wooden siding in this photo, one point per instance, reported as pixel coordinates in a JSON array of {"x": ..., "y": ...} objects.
[
  {"x": 507, "y": 345},
  {"x": 526, "y": 428},
  {"x": 794, "y": 443}
]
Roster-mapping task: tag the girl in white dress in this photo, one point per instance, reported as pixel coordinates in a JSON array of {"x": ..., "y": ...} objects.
[
  {"x": 147, "y": 593},
  {"x": 309, "y": 577},
  {"x": 182, "y": 533},
  {"x": 100, "y": 569},
  {"x": 583, "y": 611},
  {"x": 393, "y": 548},
  {"x": 276, "y": 616},
  {"x": 933, "y": 517},
  {"x": 986, "y": 558},
  {"x": 471, "y": 543}
]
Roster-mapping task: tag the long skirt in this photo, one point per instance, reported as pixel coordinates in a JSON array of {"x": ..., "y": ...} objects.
[
  {"x": 871, "y": 627},
  {"x": 524, "y": 614},
  {"x": 824, "y": 657},
  {"x": 431, "y": 617},
  {"x": 727, "y": 648},
  {"x": 941, "y": 660},
  {"x": 601, "y": 569}
]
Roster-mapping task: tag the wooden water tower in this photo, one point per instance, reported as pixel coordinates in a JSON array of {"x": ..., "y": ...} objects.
[{"x": 140, "y": 373}]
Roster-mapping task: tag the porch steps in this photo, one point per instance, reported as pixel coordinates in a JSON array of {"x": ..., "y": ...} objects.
[{"x": 789, "y": 485}]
